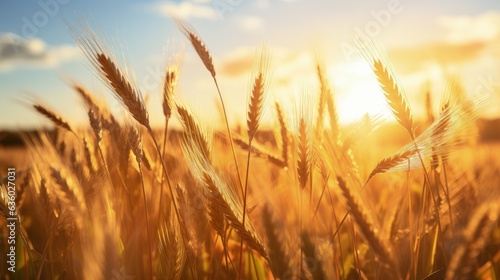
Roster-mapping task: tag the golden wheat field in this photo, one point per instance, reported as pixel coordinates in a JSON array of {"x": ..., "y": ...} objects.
[{"x": 299, "y": 196}]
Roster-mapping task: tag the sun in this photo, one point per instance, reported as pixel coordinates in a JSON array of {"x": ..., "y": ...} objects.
[{"x": 357, "y": 92}]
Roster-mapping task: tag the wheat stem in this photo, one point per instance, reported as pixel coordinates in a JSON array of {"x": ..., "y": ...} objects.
[
  {"x": 172, "y": 194},
  {"x": 148, "y": 230},
  {"x": 230, "y": 135},
  {"x": 245, "y": 202}
]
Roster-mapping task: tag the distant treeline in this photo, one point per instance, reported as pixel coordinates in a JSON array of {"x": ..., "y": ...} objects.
[
  {"x": 15, "y": 138},
  {"x": 488, "y": 129}
]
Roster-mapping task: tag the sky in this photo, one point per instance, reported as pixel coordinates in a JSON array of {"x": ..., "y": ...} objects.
[{"x": 427, "y": 42}]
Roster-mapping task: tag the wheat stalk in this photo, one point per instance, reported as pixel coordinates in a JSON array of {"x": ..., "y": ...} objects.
[
  {"x": 194, "y": 131},
  {"x": 476, "y": 236},
  {"x": 326, "y": 98},
  {"x": 219, "y": 198},
  {"x": 199, "y": 46},
  {"x": 96, "y": 125},
  {"x": 4, "y": 199},
  {"x": 278, "y": 257},
  {"x": 438, "y": 133},
  {"x": 69, "y": 193},
  {"x": 394, "y": 96},
  {"x": 442, "y": 138},
  {"x": 169, "y": 88},
  {"x": 304, "y": 153},
  {"x": 428, "y": 106},
  {"x": 172, "y": 253},
  {"x": 123, "y": 89},
  {"x": 206, "y": 58},
  {"x": 56, "y": 120},
  {"x": 118, "y": 81},
  {"x": 323, "y": 94},
  {"x": 135, "y": 140},
  {"x": 259, "y": 151},
  {"x": 256, "y": 107},
  {"x": 62, "y": 148},
  {"x": 367, "y": 227},
  {"x": 86, "y": 96},
  {"x": 88, "y": 156},
  {"x": 386, "y": 164},
  {"x": 223, "y": 204},
  {"x": 171, "y": 78},
  {"x": 258, "y": 96},
  {"x": 283, "y": 134},
  {"x": 314, "y": 264}
]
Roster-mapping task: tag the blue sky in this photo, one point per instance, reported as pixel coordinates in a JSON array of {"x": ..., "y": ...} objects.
[{"x": 39, "y": 57}]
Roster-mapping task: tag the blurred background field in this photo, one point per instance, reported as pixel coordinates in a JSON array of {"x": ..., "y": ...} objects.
[{"x": 251, "y": 139}]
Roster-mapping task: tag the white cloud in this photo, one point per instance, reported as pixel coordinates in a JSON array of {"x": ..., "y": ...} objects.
[
  {"x": 188, "y": 10},
  {"x": 298, "y": 65},
  {"x": 250, "y": 22},
  {"x": 482, "y": 28},
  {"x": 16, "y": 51}
]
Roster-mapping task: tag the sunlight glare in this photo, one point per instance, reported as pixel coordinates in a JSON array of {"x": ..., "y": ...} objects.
[{"x": 357, "y": 92}]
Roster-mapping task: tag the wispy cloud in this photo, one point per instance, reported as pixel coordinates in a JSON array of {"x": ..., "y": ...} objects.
[
  {"x": 485, "y": 27},
  {"x": 16, "y": 51},
  {"x": 237, "y": 62},
  {"x": 414, "y": 59},
  {"x": 464, "y": 39},
  {"x": 291, "y": 64},
  {"x": 200, "y": 9},
  {"x": 250, "y": 22}
]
